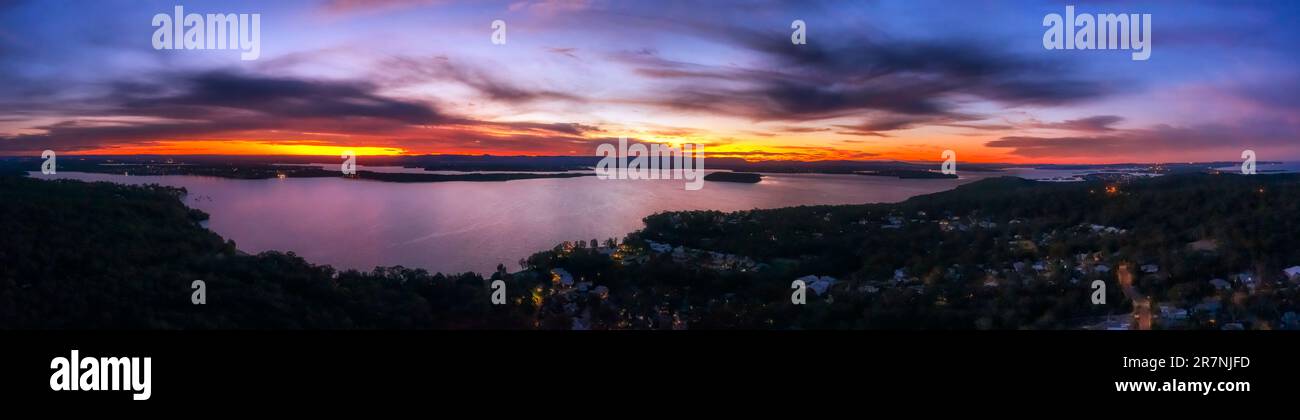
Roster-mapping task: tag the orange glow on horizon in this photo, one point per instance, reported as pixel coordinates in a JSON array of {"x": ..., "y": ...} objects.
[
  {"x": 240, "y": 147},
  {"x": 746, "y": 151},
  {"x": 907, "y": 150}
]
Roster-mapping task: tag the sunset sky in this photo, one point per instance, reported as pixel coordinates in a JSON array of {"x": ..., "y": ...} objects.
[{"x": 876, "y": 80}]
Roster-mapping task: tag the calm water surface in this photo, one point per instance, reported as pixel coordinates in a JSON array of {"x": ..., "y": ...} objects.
[{"x": 473, "y": 226}]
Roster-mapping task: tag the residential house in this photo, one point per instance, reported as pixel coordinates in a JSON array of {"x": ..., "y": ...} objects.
[
  {"x": 1293, "y": 273},
  {"x": 561, "y": 277},
  {"x": 819, "y": 285}
]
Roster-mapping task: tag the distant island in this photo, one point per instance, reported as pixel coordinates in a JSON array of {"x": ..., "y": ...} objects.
[
  {"x": 909, "y": 174},
  {"x": 252, "y": 168},
  {"x": 741, "y": 177},
  {"x": 470, "y": 177}
]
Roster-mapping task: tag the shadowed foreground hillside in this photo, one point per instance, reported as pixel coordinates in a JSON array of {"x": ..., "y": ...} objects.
[{"x": 101, "y": 255}]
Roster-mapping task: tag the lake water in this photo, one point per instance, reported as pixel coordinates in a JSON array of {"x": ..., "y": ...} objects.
[{"x": 473, "y": 226}]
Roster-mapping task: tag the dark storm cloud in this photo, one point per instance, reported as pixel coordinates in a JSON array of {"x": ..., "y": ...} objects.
[
  {"x": 74, "y": 136},
  {"x": 876, "y": 126},
  {"x": 209, "y": 104},
  {"x": 803, "y": 129},
  {"x": 415, "y": 70},
  {"x": 277, "y": 97},
  {"x": 572, "y": 129},
  {"x": 909, "y": 79},
  {"x": 1094, "y": 123}
]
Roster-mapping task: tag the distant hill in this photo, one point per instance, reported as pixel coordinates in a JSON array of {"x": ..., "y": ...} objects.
[{"x": 741, "y": 177}]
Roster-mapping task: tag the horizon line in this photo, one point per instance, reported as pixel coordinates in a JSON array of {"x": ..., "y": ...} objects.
[{"x": 313, "y": 156}]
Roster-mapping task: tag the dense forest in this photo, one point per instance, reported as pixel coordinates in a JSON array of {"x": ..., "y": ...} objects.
[{"x": 1204, "y": 250}]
